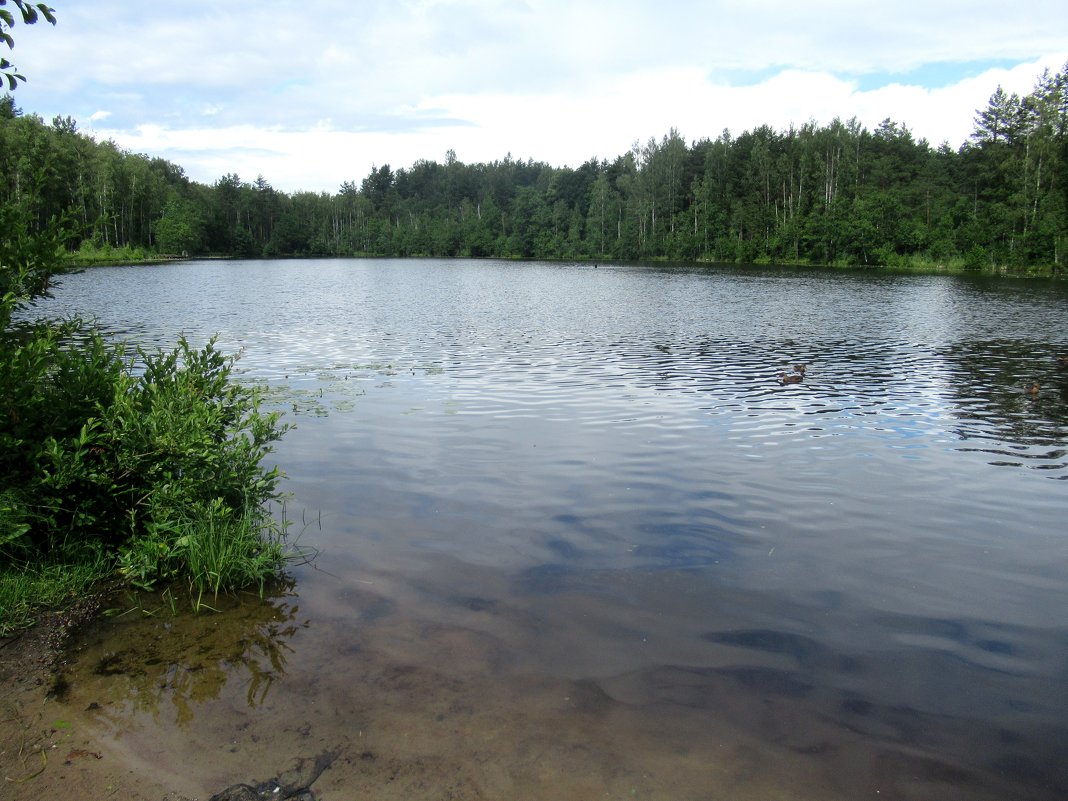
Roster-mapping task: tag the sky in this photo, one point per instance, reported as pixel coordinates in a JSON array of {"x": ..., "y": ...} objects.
[{"x": 315, "y": 93}]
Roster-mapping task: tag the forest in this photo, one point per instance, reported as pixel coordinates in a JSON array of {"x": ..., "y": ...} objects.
[{"x": 836, "y": 194}]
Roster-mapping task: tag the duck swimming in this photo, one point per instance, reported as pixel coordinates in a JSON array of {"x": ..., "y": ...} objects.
[{"x": 791, "y": 378}]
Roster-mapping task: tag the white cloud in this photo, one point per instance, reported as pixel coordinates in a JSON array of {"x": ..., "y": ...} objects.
[{"x": 313, "y": 96}]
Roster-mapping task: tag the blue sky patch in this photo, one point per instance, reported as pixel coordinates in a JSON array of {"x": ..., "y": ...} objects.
[{"x": 935, "y": 75}]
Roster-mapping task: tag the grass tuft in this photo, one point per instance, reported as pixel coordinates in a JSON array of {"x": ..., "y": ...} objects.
[
  {"x": 212, "y": 547},
  {"x": 27, "y": 590}
]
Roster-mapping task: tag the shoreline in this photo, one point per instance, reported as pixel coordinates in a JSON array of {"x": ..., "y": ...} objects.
[{"x": 919, "y": 268}]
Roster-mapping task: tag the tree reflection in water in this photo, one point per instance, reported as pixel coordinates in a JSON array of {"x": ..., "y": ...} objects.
[
  {"x": 151, "y": 655},
  {"x": 1011, "y": 401}
]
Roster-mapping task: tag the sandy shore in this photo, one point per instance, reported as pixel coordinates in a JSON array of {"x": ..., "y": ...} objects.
[{"x": 47, "y": 749}]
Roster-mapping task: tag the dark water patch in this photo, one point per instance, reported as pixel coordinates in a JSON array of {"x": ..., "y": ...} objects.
[
  {"x": 998, "y": 647},
  {"x": 901, "y": 750},
  {"x": 563, "y": 549},
  {"x": 906, "y": 775},
  {"x": 807, "y": 652},
  {"x": 1023, "y": 768},
  {"x": 978, "y": 644},
  {"x": 587, "y": 697},
  {"x": 858, "y": 706},
  {"x": 706, "y": 687},
  {"x": 865, "y": 716},
  {"x": 687, "y": 545},
  {"x": 1039, "y": 768},
  {"x": 546, "y": 578},
  {"x": 769, "y": 681},
  {"x": 477, "y": 604},
  {"x": 376, "y": 610}
]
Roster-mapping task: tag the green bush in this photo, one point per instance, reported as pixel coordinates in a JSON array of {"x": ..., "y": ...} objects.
[
  {"x": 977, "y": 258},
  {"x": 104, "y": 451}
]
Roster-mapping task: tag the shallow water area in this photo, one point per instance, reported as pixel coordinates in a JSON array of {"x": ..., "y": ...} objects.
[{"x": 578, "y": 540}]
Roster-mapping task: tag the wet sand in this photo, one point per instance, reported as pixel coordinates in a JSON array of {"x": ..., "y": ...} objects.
[{"x": 48, "y": 750}]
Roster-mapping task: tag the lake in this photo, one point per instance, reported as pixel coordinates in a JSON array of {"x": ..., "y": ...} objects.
[{"x": 576, "y": 539}]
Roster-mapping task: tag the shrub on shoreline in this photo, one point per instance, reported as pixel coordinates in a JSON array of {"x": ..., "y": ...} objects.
[{"x": 153, "y": 463}]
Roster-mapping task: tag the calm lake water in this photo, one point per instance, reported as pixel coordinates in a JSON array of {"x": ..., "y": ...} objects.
[{"x": 577, "y": 541}]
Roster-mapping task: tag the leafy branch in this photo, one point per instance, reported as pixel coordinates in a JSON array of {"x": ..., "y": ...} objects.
[{"x": 30, "y": 13}]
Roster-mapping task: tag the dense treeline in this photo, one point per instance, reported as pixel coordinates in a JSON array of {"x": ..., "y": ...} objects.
[{"x": 831, "y": 194}]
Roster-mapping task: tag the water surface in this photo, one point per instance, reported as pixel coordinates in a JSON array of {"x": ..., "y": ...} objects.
[{"x": 577, "y": 540}]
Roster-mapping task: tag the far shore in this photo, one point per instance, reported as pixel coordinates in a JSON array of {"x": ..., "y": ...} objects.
[{"x": 78, "y": 261}]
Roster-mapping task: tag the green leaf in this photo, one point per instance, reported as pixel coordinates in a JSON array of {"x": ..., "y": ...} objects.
[{"x": 29, "y": 13}]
